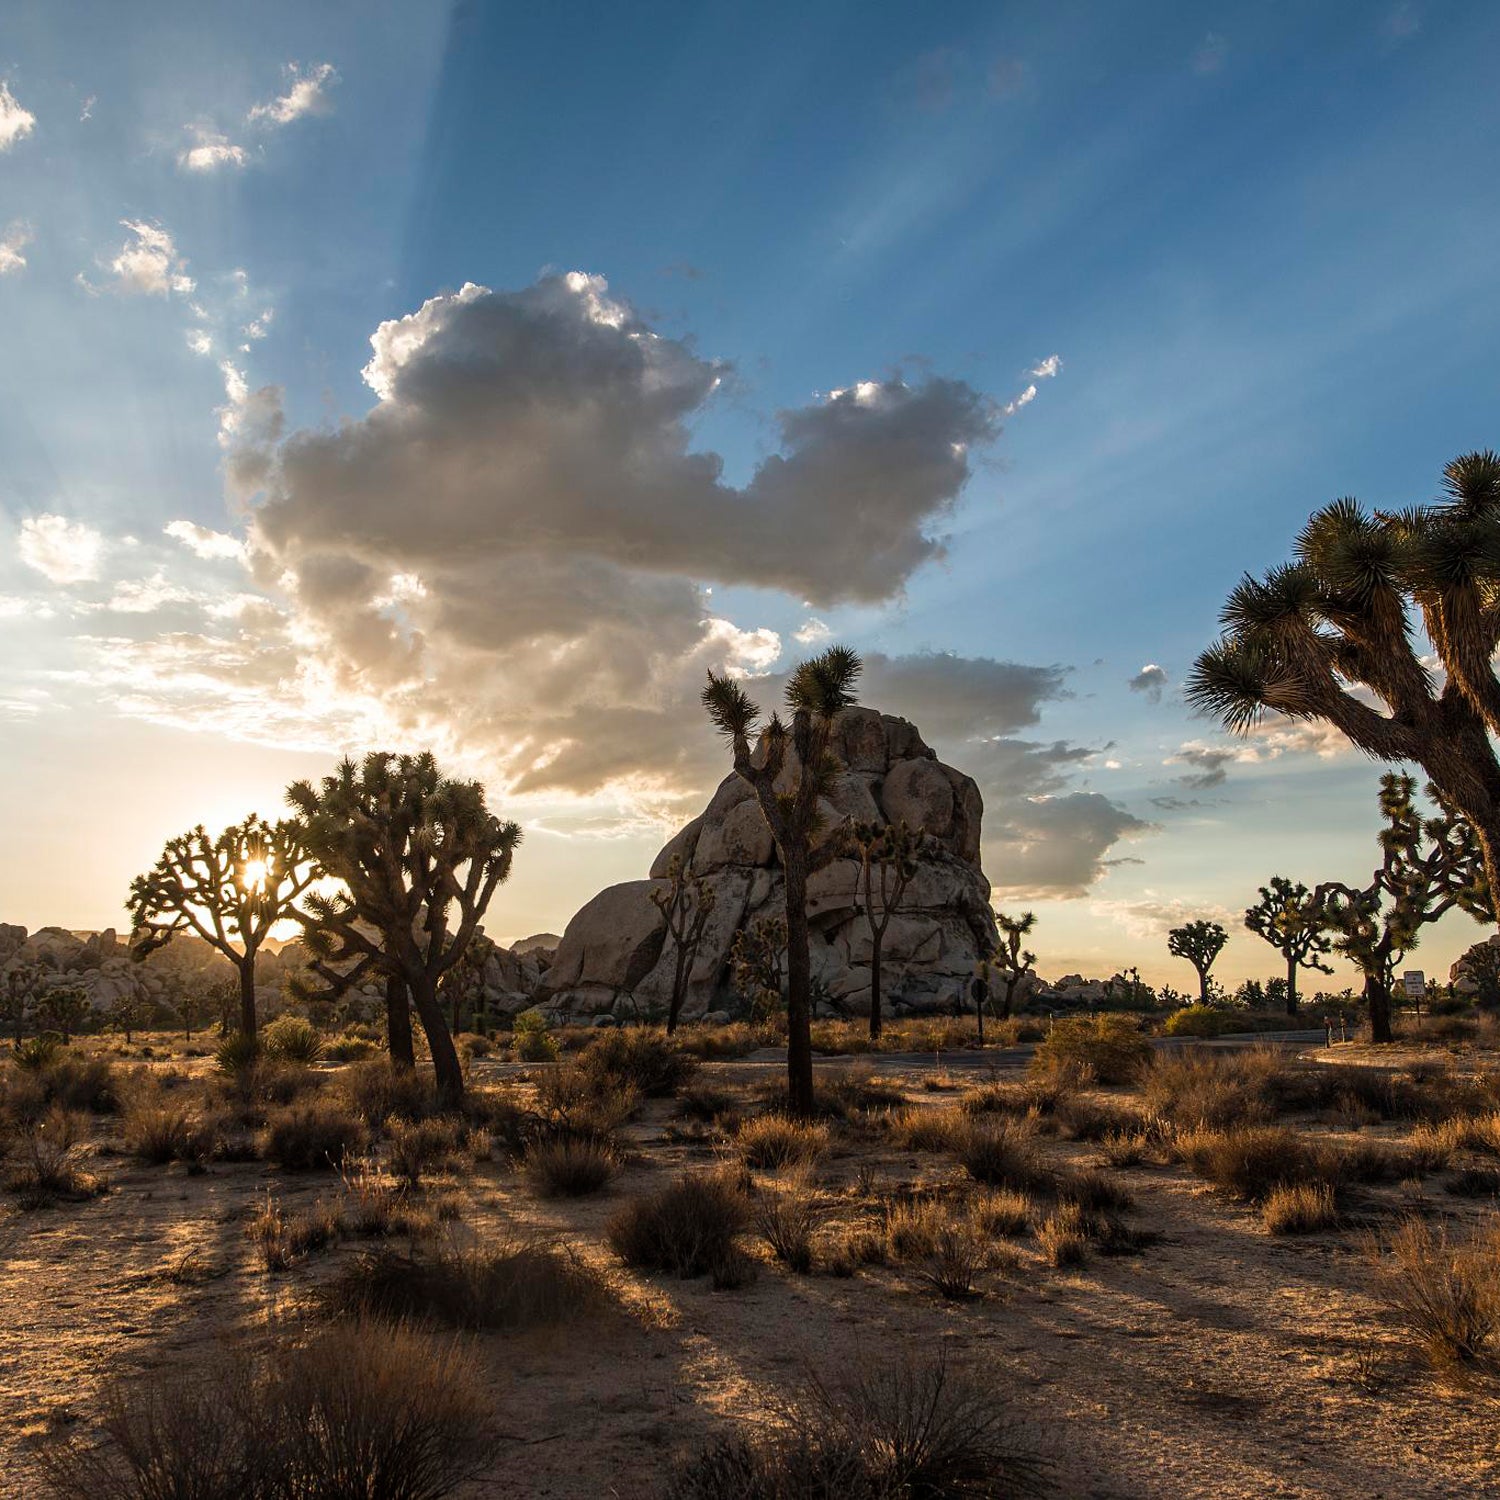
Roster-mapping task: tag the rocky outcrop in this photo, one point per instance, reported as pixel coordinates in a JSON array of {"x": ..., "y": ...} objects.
[{"x": 616, "y": 961}]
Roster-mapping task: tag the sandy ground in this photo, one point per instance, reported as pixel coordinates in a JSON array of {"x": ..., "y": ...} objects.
[{"x": 1218, "y": 1362}]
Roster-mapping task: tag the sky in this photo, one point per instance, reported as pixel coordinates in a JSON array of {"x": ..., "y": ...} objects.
[{"x": 477, "y": 376}]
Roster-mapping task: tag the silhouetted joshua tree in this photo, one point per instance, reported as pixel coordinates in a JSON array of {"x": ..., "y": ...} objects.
[
  {"x": 409, "y": 844},
  {"x": 686, "y": 904},
  {"x": 230, "y": 891},
  {"x": 1287, "y": 918},
  {"x": 790, "y": 770},
  {"x": 1331, "y": 636},
  {"x": 1014, "y": 961},
  {"x": 1200, "y": 943},
  {"x": 64, "y": 1008},
  {"x": 1375, "y": 927},
  {"x": 888, "y": 855}
]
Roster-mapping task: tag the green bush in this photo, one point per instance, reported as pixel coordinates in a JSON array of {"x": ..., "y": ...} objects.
[
  {"x": 237, "y": 1053},
  {"x": 1110, "y": 1047},
  {"x": 38, "y": 1052},
  {"x": 292, "y": 1039},
  {"x": 533, "y": 1041}
]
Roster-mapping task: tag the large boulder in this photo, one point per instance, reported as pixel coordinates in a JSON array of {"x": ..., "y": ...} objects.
[{"x": 616, "y": 957}]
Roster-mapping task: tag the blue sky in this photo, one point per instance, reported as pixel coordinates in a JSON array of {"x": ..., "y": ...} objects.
[{"x": 1244, "y": 256}]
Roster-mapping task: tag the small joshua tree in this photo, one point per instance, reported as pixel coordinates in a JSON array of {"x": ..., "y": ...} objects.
[
  {"x": 230, "y": 891},
  {"x": 129, "y": 1013},
  {"x": 463, "y": 985},
  {"x": 1200, "y": 943},
  {"x": 686, "y": 905},
  {"x": 888, "y": 855},
  {"x": 789, "y": 771},
  {"x": 191, "y": 1009},
  {"x": 410, "y": 845},
  {"x": 1013, "y": 961},
  {"x": 757, "y": 960},
  {"x": 19, "y": 984},
  {"x": 1429, "y": 867},
  {"x": 1287, "y": 918},
  {"x": 64, "y": 1008}
]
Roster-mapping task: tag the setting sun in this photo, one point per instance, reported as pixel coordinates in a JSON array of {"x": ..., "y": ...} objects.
[{"x": 253, "y": 874}]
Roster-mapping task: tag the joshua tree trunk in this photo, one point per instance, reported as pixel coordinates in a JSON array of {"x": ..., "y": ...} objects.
[
  {"x": 1202, "y": 985},
  {"x": 246, "y": 966},
  {"x": 1291, "y": 986},
  {"x": 445, "y": 1065},
  {"x": 1378, "y": 1001},
  {"x": 679, "y": 984},
  {"x": 799, "y": 1069},
  {"x": 875, "y": 1017},
  {"x": 398, "y": 1022}
]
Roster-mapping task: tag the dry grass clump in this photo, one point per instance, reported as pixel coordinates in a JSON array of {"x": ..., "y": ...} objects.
[
  {"x": 1249, "y": 1162},
  {"x": 311, "y": 1135},
  {"x": 1198, "y": 1090},
  {"x": 641, "y": 1060},
  {"x": 961, "y": 1253},
  {"x": 417, "y": 1147},
  {"x": 1063, "y": 1236},
  {"x": 159, "y": 1129},
  {"x": 788, "y": 1217},
  {"x": 708, "y": 1103},
  {"x": 575, "y": 1103},
  {"x": 377, "y": 1089},
  {"x": 689, "y": 1228},
  {"x": 1474, "y": 1182},
  {"x": 46, "y": 1158},
  {"x": 1444, "y": 1296},
  {"x": 88, "y": 1085},
  {"x": 1125, "y": 1148},
  {"x": 852, "y": 1092},
  {"x": 897, "y": 1429},
  {"x": 1300, "y": 1208},
  {"x": 375, "y": 1205},
  {"x": 736, "y": 1039},
  {"x": 1005, "y": 1213},
  {"x": 1093, "y": 1191},
  {"x": 282, "y": 1240},
  {"x": 1003, "y": 1154},
  {"x": 911, "y": 1228},
  {"x": 926, "y": 1129},
  {"x": 513, "y": 1285},
  {"x": 1108, "y": 1047},
  {"x": 568, "y": 1168},
  {"x": 1081, "y": 1119},
  {"x": 355, "y": 1412},
  {"x": 770, "y": 1142}
]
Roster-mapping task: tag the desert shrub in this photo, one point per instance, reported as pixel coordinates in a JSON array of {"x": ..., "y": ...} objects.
[
  {"x": 348, "y": 1048},
  {"x": 1109, "y": 1047},
  {"x": 1093, "y": 1190},
  {"x": 960, "y": 1254},
  {"x": 356, "y": 1412},
  {"x": 788, "y": 1217},
  {"x": 1200, "y": 1020},
  {"x": 377, "y": 1090},
  {"x": 1125, "y": 1148},
  {"x": 1302, "y": 1208},
  {"x": 89, "y": 1084},
  {"x": 38, "y": 1052},
  {"x": 283, "y": 1239},
  {"x": 708, "y": 1102},
  {"x": 516, "y": 1284},
  {"x": 1089, "y": 1120},
  {"x": 161, "y": 1130},
  {"x": 1250, "y": 1161},
  {"x": 689, "y": 1227},
  {"x": 1014, "y": 1099},
  {"x": 1474, "y": 1182},
  {"x": 472, "y": 1044},
  {"x": 237, "y": 1052},
  {"x": 532, "y": 1041},
  {"x": 307, "y": 1136},
  {"x": 770, "y": 1142},
  {"x": 926, "y": 1129},
  {"x": 911, "y": 1228},
  {"x": 736, "y": 1039},
  {"x": 1444, "y": 1296},
  {"x": 47, "y": 1157},
  {"x": 376, "y": 1205},
  {"x": 1003, "y": 1212},
  {"x": 639, "y": 1060},
  {"x": 1063, "y": 1236},
  {"x": 292, "y": 1039},
  {"x": 1002, "y": 1154},
  {"x": 580, "y": 1104},
  {"x": 417, "y": 1147},
  {"x": 568, "y": 1168},
  {"x": 842, "y": 1092},
  {"x": 1373, "y": 1161},
  {"x": 895, "y": 1429},
  {"x": 1197, "y": 1090}
]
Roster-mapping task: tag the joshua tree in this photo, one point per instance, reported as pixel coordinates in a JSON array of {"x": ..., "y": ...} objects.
[
  {"x": 757, "y": 958},
  {"x": 130, "y": 1013},
  {"x": 1200, "y": 943},
  {"x": 231, "y": 891},
  {"x": 408, "y": 844},
  {"x": 1375, "y": 927},
  {"x": 887, "y": 865},
  {"x": 788, "y": 789},
  {"x": 19, "y": 983},
  {"x": 1015, "y": 963},
  {"x": 191, "y": 1009},
  {"x": 64, "y": 1008},
  {"x": 1287, "y": 918},
  {"x": 686, "y": 904},
  {"x": 1316, "y": 638},
  {"x": 463, "y": 985}
]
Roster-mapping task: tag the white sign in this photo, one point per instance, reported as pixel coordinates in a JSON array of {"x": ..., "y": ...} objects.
[{"x": 1416, "y": 984}]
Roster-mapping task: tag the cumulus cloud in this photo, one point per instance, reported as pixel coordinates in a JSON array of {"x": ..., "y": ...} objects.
[
  {"x": 211, "y": 152},
  {"x": 812, "y": 632},
  {"x": 16, "y": 122},
  {"x": 1056, "y": 847},
  {"x": 306, "y": 94},
  {"x": 1207, "y": 763},
  {"x": 148, "y": 263},
  {"x": 15, "y": 239},
  {"x": 203, "y": 542},
  {"x": 1150, "y": 680},
  {"x": 61, "y": 550}
]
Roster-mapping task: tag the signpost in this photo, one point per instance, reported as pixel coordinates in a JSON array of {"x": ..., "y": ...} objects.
[{"x": 1414, "y": 981}]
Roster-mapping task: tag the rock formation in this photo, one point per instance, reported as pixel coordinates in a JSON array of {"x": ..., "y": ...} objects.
[{"x": 615, "y": 961}]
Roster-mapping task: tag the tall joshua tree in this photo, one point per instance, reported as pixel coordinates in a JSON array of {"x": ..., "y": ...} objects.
[
  {"x": 686, "y": 903},
  {"x": 1286, "y": 916},
  {"x": 230, "y": 891},
  {"x": 1429, "y": 866},
  {"x": 1015, "y": 961},
  {"x": 887, "y": 856},
  {"x": 1200, "y": 943},
  {"x": 789, "y": 771},
  {"x": 409, "y": 845},
  {"x": 1323, "y": 635}
]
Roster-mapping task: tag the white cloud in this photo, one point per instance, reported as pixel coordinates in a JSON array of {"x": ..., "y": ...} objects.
[
  {"x": 1150, "y": 680},
  {"x": 258, "y": 328},
  {"x": 86, "y": 110},
  {"x": 16, "y": 123},
  {"x": 813, "y": 632},
  {"x": 307, "y": 94},
  {"x": 1048, "y": 367},
  {"x": 149, "y": 264},
  {"x": 203, "y": 542},
  {"x": 60, "y": 550},
  {"x": 211, "y": 152},
  {"x": 1043, "y": 371},
  {"x": 200, "y": 341},
  {"x": 15, "y": 239}
]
